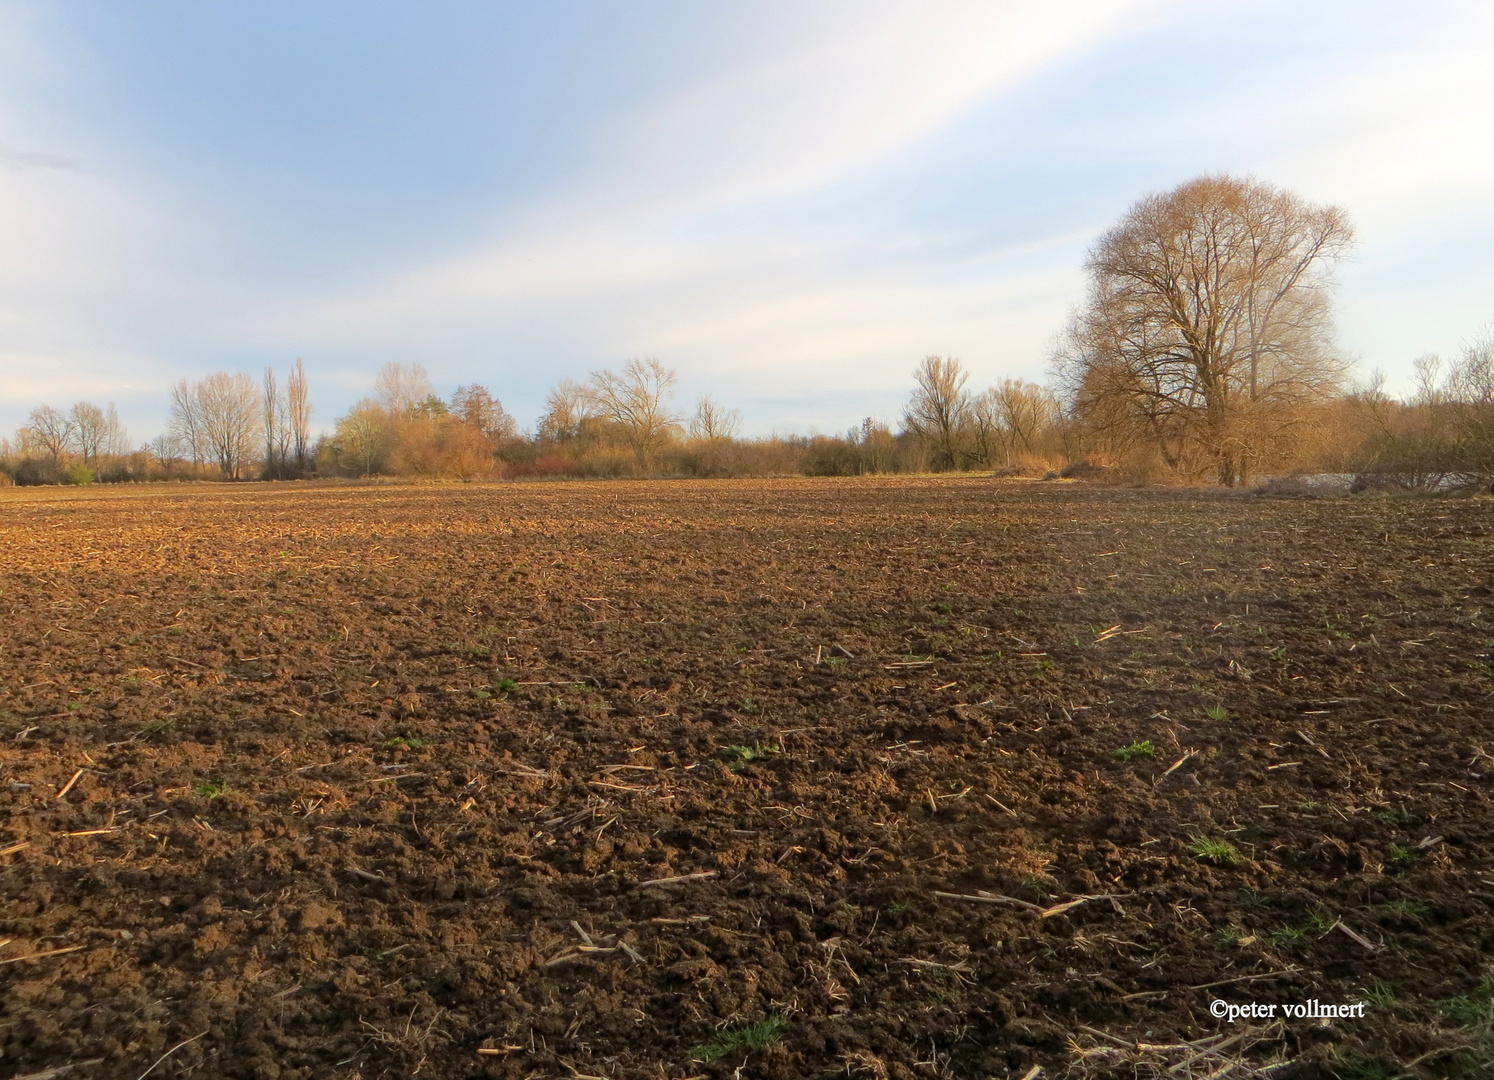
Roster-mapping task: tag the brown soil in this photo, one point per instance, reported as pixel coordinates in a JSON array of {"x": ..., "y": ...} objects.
[{"x": 372, "y": 781}]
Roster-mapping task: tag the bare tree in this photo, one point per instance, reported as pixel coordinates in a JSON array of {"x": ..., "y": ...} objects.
[
  {"x": 1207, "y": 327},
  {"x": 939, "y": 408},
  {"x": 166, "y": 449},
  {"x": 186, "y": 421},
  {"x": 271, "y": 411},
  {"x": 712, "y": 423},
  {"x": 228, "y": 407},
  {"x": 402, "y": 388},
  {"x": 634, "y": 400},
  {"x": 90, "y": 431},
  {"x": 569, "y": 415},
  {"x": 298, "y": 412},
  {"x": 116, "y": 437},
  {"x": 275, "y": 426},
  {"x": 51, "y": 429}
]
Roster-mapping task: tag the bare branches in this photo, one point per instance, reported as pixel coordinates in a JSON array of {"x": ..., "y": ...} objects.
[
  {"x": 298, "y": 413},
  {"x": 402, "y": 388},
  {"x": 51, "y": 429},
  {"x": 712, "y": 423},
  {"x": 634, "y": 400},
  {"x": 939, "y": 408},
  {"x": 228, "y": 410},
  {"x": 276, "y": 426},
  {"x": 186, "y": 421},
  {"x": 1208, "y": 327},
  {"x": 96, "y": 432}
]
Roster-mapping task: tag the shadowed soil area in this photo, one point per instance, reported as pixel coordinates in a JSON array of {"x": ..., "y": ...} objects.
[{"x": 858, "y": 778}]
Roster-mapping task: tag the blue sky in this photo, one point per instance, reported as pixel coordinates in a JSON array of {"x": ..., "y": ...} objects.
[{"x": 788, "y": 203}]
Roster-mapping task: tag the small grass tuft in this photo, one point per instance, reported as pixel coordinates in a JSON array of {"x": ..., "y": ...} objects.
[
  {"x": 505, "y": 686},
  {"x": 1379, "y": 994},
  {"x": 1144, "y": 748},
  {"x": 744, "y": 756},
  {"x": 406, "y": 742},
  {"x": 1400, "y": 856},
  {"x": 758, "y": 1036},
  {"x": 1474, "y": 1007},
  {"x": 1320, "y": 922},
  {"x": 749, "y": 706},
  {"x": 1287, "y": 935},
  {"x": 210, "y": 789},
  {"x": 1218, "y": 852},
  {"x": 1217, "y": 712},
  {"x": 1409, "y": 909}
]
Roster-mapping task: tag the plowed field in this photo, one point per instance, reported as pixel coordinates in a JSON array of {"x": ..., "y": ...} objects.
[{"x": 884, "y": 778}]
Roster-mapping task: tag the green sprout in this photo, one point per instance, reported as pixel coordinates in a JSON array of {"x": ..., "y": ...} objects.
[{"x": 1144, "y": 748}]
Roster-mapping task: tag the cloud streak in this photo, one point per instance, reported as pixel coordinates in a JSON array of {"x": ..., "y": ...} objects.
[{"x": 18, "y": 160}]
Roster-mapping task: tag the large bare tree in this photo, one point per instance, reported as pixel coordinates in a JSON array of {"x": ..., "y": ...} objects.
[
  {"x": 634, "y": 400},
  {"x": 1208, "y": 324},
  {"x": 97, "y": 432},
  {"x": 52, "y": 429},
  {"x": 186, "y": 422},
  {"x": 939, "y": 409},
  {"x": 228, "y": 407}
]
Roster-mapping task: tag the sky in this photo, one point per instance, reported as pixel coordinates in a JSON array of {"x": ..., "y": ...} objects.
[{"x": 788, "y": 203}]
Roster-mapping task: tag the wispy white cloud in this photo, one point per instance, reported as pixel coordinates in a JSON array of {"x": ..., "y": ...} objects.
[
  {"x": 640, "y": 254},
  {"x": 861, "y": 83}
]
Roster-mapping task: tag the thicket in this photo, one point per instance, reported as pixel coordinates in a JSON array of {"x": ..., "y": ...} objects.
[{"x": 1439, "y": 437}]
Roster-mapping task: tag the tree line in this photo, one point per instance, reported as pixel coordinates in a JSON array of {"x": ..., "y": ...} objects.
[{"x": 1203, "y": 351}]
